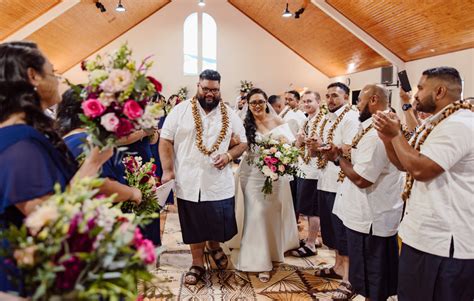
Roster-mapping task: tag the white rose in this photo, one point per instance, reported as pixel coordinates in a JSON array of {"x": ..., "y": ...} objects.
[
  {"x": 278, "y": 154},
  {"x": 286, "y": 145},
  {"x": 110, "y": 122},
  {"x": 267, "y": 171},
  {"x": 274, "y": 176},
  {"x": 41, "y": 217}
]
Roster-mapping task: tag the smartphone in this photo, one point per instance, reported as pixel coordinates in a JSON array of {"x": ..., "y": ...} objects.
[{"x": 402, "y": 76}]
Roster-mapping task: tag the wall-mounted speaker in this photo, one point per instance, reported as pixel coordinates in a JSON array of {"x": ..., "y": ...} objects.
[{"x": 387, "y": 75}]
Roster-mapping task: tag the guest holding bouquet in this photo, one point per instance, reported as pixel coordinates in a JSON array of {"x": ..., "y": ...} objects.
[
  {"x": 33, "y": 157},
  {"x": 269, "y": 227}
]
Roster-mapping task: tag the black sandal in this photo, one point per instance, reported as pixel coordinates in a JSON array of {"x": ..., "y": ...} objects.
[
  {"x": 195, "y": 271},
  {"x": 303, "y": 251},
  {"x": 328, "y": 273},
  {"x": 222, "y": 261},
  {"x": 345, "y": 289}
]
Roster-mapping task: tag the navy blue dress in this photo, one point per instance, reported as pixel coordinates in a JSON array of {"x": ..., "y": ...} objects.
[
  {"x": 112, "y": 168},
  {"x": 30, "y": 166},
  {"x": 156, "y": 156}
]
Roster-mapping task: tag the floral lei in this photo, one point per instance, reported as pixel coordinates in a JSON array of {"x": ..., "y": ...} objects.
[
  {"x": 322, "y": 163},
  {"x": 305, "y": 155},
  {"x": 198, "y": 126},
  {"x": 426, "y": 130},
  {"x": 355, "y": 142}
]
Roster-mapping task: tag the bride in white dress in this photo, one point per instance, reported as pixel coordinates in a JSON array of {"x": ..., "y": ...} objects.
[{"x": 269, "y": 226}]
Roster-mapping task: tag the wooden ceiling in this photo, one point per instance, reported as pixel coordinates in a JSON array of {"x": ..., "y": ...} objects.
[
  {"x": 83, "y": 29},
  {"x": 414, "y": 29},
  {"x": 316, "y": 37},
  {"x": 15, "y": 14}
]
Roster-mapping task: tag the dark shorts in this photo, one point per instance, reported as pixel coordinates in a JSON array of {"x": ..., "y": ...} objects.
[
  {"x": 423, "y": 276},
  {"x": 207, "y": 221},
  {"x": 373, "y": 268},
  {"x": 294, "y": 198},
  {"x": 307, "y": 195},
  {"x": 333, "y": 230}
]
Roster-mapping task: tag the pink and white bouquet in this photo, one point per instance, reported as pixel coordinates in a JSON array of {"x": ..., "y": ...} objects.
[
  {"x": 142, "y": 176},
  {"x": 275, "y": 158},
  {"x": 117, "y": 100},
  {"x": 78, "y": 246}
]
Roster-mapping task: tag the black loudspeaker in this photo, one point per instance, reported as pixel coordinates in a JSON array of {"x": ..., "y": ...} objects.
[{"x": 387, "y": 75}]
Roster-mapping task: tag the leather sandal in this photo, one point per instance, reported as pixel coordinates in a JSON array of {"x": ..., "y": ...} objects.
[
  {"x": 328, "y": 273},
  {"x": 195, "y": 271},
  {"x": 303, "y": 251},
  {"x": 219, "y": 258},
  {"x": 345, "y": 290}
]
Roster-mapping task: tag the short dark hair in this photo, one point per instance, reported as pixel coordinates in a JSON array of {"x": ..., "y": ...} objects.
[
  {"x": 449, "y": 74},
  {"x": 69, "y": 110},
  {"x": 273, "y": 98},
  {"x": 340, "y": 85},
  {"x": 295, "y": 93},
  {"x": 210, "y": 75}
]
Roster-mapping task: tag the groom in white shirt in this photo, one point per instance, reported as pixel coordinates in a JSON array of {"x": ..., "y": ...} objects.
[{"x": 194, "y": 150}]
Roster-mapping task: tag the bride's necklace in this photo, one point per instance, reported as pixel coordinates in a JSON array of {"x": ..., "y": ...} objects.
[{"x": 199, "y": 130}]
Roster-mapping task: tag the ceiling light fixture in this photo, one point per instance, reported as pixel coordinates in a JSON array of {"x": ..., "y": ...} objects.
[
  {"x": 202, "y": 3},
  {"x": 100, "y": 6},
  {"x": 120, "y": 7},
  {"x": 287, "y": 13}
]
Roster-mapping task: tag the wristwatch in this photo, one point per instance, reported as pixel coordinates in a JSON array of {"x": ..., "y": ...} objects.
[{"x": 406, "y": 106}]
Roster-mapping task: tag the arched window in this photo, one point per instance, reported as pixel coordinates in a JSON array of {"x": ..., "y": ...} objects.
[{"x": 199, "y": 43}]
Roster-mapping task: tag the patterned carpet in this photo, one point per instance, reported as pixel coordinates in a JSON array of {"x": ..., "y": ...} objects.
[{"x": 293, "y": 280}]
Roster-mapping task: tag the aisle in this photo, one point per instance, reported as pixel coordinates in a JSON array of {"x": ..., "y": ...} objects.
[{"x": 290, "y": 281}]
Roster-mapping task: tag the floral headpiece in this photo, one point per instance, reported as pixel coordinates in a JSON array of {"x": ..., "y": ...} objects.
[{"x": 245, "y": 86}]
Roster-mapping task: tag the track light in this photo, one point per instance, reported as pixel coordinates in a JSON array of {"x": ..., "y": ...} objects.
[
  {"x": 120, "y": 7},
  {"x": 287, "y": 13},
  {"x": 202, "y": 3},
  {"x": 100, "y": 6}
]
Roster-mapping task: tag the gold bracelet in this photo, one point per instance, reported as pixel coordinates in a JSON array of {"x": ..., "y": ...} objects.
[{"x": 229, "y": 156}]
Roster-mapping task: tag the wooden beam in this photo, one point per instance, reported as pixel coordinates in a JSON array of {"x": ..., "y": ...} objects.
[
  {"x": 360, "y": 34},
  {"x": 39, "y": 22}
]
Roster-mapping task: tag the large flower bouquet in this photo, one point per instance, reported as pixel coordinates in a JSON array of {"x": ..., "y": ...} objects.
[
  {"x": 142, "y": 176},
  {"x": 275, "y": 158},
  {"x": 77, "y": 246},
  {"x": 117, "y": 97},
  {"x": 182, "y": 94}
]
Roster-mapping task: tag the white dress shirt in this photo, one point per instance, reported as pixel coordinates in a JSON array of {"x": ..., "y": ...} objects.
[
  {"x": 310, "y": 170},
  {"x": 443, "y": 208},
  {"x": 290, "y": 115},
  {"x": 195, "y": 172},
  {"x": 380, "y": 205},
  {"x": 344, "y": 133}
]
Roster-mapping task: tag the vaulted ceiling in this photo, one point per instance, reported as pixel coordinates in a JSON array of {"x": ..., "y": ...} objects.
[{"x": 409, "y": 29}]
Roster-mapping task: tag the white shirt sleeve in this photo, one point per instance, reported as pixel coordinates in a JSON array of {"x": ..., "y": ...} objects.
[
  {"x": 350, "y": 127},
  {"x": 371, "y": 158},
  {"x": 237, "y": 126},
  {"x": 448, "y": 144},
  {"x": 168, "y": 131}
]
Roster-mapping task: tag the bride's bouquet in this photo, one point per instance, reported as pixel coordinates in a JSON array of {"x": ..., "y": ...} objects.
[
  {"x": 142, "y": 176},
  {"x": 78, "y": 246},
  {"x": 275, "y": 158},
  {"x": 117, "y": 99}
]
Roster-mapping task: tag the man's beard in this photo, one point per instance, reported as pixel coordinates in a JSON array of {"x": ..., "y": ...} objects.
[
  {"x": 334, "y": 109},
  {"x": 207, "y": 104},
  {"x": 427, "y": 106},
  {"x": 365, "y": 114}
]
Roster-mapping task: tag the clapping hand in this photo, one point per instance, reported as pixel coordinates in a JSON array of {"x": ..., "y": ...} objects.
[
  {"x": 387, "y": 125},
  {"x": 300, "y": 139},
  {"x": 330, "y": 151},
  {"x": 313, "y": 144}
]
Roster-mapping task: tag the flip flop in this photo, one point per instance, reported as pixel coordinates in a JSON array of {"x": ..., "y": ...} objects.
[
  {"x": 303, "y": 251},
  {"x": 328, "y": 273}
]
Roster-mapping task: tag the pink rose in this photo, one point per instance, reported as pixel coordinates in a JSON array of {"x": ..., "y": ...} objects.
[
  {"x": 267, "y": 159},
  {"x": 273, "y": 168},
  {"x": 110, "y": 122},
  {"x": 124, "y": 128},
  {"x": 132, "y": 109},
  {"x": 281, "y": 168},
  {"x": 146, "y": 251},
  {"x": 273, "y": 160},
  {"x": 92, "y": 108}
]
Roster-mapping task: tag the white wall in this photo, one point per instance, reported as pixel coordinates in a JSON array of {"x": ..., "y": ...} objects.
[
  {"x": 463, "y": 61},
  {"x": 244, "y": 52}
]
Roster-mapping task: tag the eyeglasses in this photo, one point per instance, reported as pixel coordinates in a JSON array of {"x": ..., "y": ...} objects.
[
  {"x": 207, "y": 90},
  {"x": 255, "y": 103}
]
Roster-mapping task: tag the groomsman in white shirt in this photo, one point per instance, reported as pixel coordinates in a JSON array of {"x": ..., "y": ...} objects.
[
  {"x": 339, "y": 127},
  {"x": 194, "y": 150},
  {"x": 437, "y": 230},
  {"x": 369, "y": 203},
  {"x": 292, "y": 111}
]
